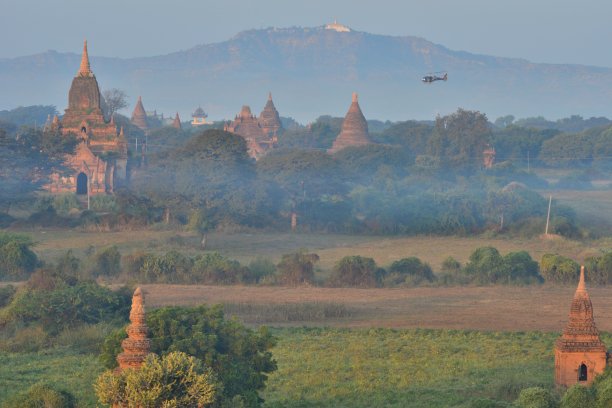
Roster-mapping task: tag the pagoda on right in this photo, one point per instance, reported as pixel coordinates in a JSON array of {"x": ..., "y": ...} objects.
[{"x": 580, "y": 355}]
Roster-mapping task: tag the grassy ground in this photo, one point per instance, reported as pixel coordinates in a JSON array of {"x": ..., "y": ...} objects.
[
  {"x": 405, "y": 368},
  {"x": 322, "y": 367},
  {"x": 61, "y": 368}
]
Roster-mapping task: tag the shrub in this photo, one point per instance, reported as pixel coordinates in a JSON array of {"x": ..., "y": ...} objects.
[
  {"x": 68, "y": 264},
  {"x": 216, "y": 269},
  {"x": 63, "y": 203},
  {"x": 297, "y": 268},
  {"x": 16, "y": 257},
  {"x": 558, "y": 269},
  {"x": 599, "y": 269},
  {"x": 451, "y": 265},
  {"x": 106, "y": 262},
  {"x": 42, "y": 395},
  {"x": 173, "y": 380},
  {"x": 167, "y": 268},
  {"x": 65, "y": 303},
  {"x": 411, "y": 271},
  {"x": 357, "y": 271},
  {"x": 578, "y": 396},
  {"x": 6, "y": 294},
  {"x": 239, "y": 356},
  {"x": 536, "y": 397},
  {"x": 486, "y": 265},
  {"x": 521, "y": 268},
  {"x": 262, "y": 269}
]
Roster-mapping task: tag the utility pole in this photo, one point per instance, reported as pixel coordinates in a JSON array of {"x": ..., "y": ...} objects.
[
  {"x": 528, "y": 163},
  {"x": 548, "y": 216}
]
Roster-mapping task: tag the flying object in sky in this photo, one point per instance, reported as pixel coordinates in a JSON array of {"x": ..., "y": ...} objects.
[{"x": 436, "y": 76}]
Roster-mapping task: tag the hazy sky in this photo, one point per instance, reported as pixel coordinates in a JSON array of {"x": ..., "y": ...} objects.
[{"x": 555, "y": 31}]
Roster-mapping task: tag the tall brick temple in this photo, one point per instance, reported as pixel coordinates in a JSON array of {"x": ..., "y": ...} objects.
[
  {"x": 100, "y": 160},
  {"x": 580, "y": 355}
]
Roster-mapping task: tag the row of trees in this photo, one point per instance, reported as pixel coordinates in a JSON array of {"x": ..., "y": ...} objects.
[{"x": 486, "y": 265}]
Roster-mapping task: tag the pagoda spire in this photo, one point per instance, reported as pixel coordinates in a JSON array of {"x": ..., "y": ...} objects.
[
  {"x": 85, "y": 69},
  {"x": 177, "y": 122}
]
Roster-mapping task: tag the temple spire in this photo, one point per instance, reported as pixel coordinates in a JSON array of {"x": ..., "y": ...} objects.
[
  {"x": 85, "y": 69},
  {"x": 581, "y": 286},
  {"x": 355, "y": 97}
]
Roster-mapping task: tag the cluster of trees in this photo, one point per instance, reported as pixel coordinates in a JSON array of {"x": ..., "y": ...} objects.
[
  {"x": 597, "y": 395},
  {"x": 238, "y": 357}
]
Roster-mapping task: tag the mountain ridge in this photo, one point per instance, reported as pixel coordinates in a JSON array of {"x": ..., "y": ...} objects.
[{"x": 313, "y": 71}]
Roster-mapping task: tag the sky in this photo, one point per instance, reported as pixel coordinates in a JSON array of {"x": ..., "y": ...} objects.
[{"x": 550, "y": 31}]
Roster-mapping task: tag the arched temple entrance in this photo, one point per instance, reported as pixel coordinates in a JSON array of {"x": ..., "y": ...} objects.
[
  {"x": 582, "y": 372},
  {"x": 81, "y": 184}
]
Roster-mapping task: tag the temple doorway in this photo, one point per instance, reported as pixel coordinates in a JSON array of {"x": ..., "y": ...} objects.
[
  {"x": 582, "y": 372},
  {"x": 81, "y": 185}
]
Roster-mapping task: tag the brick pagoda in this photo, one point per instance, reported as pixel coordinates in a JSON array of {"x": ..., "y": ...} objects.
[
  {"x": 580, "y": 355},
  {"x": 137, "y": 346},
  {"x": 354, "y": 131}
]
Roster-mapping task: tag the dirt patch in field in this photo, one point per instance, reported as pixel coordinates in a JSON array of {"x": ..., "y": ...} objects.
[{"x": 496, "y": 308}]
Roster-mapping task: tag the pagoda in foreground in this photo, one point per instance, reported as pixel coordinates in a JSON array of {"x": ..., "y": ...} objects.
[
  {"x": 137, "y": 346},
  {"x": 580, "y": 355}
]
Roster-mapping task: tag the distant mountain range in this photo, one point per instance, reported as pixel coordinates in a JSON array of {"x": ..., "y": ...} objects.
[{"x": 313, "y": 71}]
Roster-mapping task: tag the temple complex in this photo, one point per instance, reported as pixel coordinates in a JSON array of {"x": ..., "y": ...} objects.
[
  {"x": 580, "y": 355},
  {"x": 259, "y": 133},
  {"x": 100, "y": 159},
  {"x": 137, "y": 346},
  {"x": 199, "y": 117},
  {"x": 139, "y": 116},
  {"x": 176, "y": 123},
  {"x": 354, "y": 131}
]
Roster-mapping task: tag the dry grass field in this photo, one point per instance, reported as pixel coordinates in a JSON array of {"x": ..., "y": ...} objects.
[{"x": 493, "y": 308}]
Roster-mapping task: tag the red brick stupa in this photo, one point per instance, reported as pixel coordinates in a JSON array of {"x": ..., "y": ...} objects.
[
  {"x": 580, "y": 355},
  {"x": 354, "y": 130},
  {"x": 137, "y": 345}
]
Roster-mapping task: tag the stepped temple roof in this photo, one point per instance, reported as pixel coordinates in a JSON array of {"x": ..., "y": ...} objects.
[
  {"x": 269, "y": 119},
  {"x": 581, "y": 333},
  {"x": 137, "y": 345},
  {"x": 354, "y": 131}
]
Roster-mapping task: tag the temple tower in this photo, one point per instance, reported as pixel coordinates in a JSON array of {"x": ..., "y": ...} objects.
[
  {"x": 580, "y": 355},
  {"x": 94, "y": 170},
  {"x": 139, "y": 116},
  {"x": 269, "y": 119},
  {"x": 137, "y": 345},
  {"x": 354, "y": 131},
  {"x": 176, "y": 123}
]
